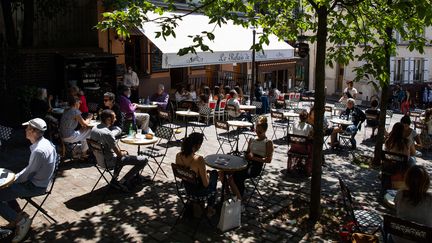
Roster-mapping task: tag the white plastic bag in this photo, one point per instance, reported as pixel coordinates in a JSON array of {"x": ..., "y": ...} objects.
[{"x": 230, "y": 215}]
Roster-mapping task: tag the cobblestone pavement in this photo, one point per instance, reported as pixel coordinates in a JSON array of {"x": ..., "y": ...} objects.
[{"x": 148, "y": 213}]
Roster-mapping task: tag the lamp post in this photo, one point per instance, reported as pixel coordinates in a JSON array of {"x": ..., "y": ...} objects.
[{"x": 253, "y": 64}]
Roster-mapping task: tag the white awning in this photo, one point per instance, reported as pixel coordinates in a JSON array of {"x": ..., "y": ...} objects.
[{"x": 232, "y": 43}]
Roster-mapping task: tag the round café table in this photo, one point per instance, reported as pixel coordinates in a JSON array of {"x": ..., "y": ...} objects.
[
  {"x": 7, "y": 177},
  {"x": 341, "y": 122},
  {"x": 226, "y": 163},
  {"x": 146, "y": 107},
  {"x": 248, "y": 108},
  {"x": 187, "y": 114},
  {"x": 238, "y": 125},
  {"x": 139, "y": 141}
]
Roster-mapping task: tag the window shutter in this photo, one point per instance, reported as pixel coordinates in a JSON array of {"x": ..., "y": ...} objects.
[
  {"x": 426, "y": 70},
  {"x": 411, "y": 70},
  {"x": 406, "y": 71},
  {"x": 392, "y": 70}
]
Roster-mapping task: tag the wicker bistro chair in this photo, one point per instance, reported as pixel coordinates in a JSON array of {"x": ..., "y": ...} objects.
[
  {"x": 225, "y": 136},
  {"x": 158, "y": 151},
  {"x": 38, "y": 206},
  {"x": 230, "y": 108},
  {"x": 338, "y": 108},
  {"x": 405, "y": 229},
  {"x": 328, "y": 109},
  {"x": 258, "y": 105},
  {"x": 166, "y": 120},
  {"x": 278, "y": 122},
  {"x": 5, "y": 134},
  {"x": 184, "y": 175},
  {"x": 220, "y": 111},
  {"x": 364, "y": 220},
  {"x": 345, "y": 137},
  {"x": 296, "y": 159}
]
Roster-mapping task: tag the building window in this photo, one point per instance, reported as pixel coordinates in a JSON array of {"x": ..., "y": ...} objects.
[
  {"x": 398, "y": 70},
  {"x": 418, "y": 66},
  {"x": 156, "y": 59}
]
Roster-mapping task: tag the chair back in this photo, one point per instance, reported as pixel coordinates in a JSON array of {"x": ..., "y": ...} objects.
[
  {"x": 164, "y": 133},
  {"x": 347, "y": 200},
  {"x": 395, "y": 160},
  {"x": 339, "y": 106},
  {"x": 257, "y": 104},
  {"x": 164, "y": 116},
  {"x": 222, "y": 104},
  {"x": 212, "y": 104},
  {"x": 5, "y": 133},
  {"x": 54, "y": 175},
  {"x": 298, "y": 110},
  {"x": 291, "y": 96},
  {"x": 297, "y": 97},
  {"x": 184, "y": 174},
  {"x": 298, "y": 139},
  {"x": 406, "y": 229},
  {"x": 221, "y": 125},
  {"x": 98, "y": 151},
  {"x": 328, "y": 109},
  {"x": 276, "y": 115},
  {"x": 205, "y": 110}
]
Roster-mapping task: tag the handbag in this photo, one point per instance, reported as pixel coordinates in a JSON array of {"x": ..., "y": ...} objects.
[{"x": 230, "y": 215}]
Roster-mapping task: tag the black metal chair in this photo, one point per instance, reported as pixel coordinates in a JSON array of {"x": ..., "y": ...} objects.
[
  {"x": 184, "y": 175},
  {"x": 5, "y": 135},
  {"x": 255, "y": 181},
  {"x": 166, "y": 120},
  {"x": 38, "y": 206},
  {"x": 100, "y": 162},
  {"x": 224, "y": 136},
  {"x": 405, "y": 229},
  {"x": 391, "y": 164},
  {"x": 157, "y": 152},
  {"x": 345, "y": 137},
  {"x": 364, "y": 220},
  {"x": 296, "y": 159},
  {"x": 278, "y": 122}
]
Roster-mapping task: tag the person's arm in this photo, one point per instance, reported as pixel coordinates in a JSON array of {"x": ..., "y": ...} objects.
[
  {"x": 35, "y": 162},
  {"x": 81, "y": 121},
  {"x": 202, "y": 172}
]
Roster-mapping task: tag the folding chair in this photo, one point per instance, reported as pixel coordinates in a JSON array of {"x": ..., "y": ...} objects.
[
  {"x": 389, "y": 116},
  {"x": 330, "y": 110},
  {"x": 166, "y": 121},
  {"x": 339, "y": 108},
  {"x": 220, "y": 113},
  {"x": 224, "y": 135},
  {"x": 255, "y": 183},
  {"x": 392, "y": 164},
  {"x": 99, "y": 162},
  {"x": 250, "y": 133},
  {"x": 296, "y": 158},
  {"x": 183, "y": 175},
  {"x": 278, "y": 122},
  {"x": 159, "y": 150},
  {"x": 345, "y": 138},
  {"x": 5, "y": 134},
  {"x": 258, "y": 105},
  {"x": 45, "y": 196},
  {"x": 206, "y": 113},
  {"x": 369, "y": 117},
  {"x": 363, "y": 219},
  {"x": 405, "y": 229}
]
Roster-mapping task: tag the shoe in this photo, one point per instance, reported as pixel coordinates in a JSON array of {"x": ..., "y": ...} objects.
[
  {"x": 22, "y": 228},
  {"x": 4, "y": 233},
  {"x": 119, "y": 186}
]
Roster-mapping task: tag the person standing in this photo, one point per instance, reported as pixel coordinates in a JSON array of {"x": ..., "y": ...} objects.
[
  {"x": 32, "y": 180},
  {"x": 131, "y": 80},
  {"x": 349, "y": 92}
]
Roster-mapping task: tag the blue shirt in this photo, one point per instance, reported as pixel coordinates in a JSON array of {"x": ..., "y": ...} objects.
[{"x": 41, "y": 164}]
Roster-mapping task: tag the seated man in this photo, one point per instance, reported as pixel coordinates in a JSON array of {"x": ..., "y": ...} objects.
[
  {"x": 113, "y": 155},
  {"x": 32, "y": 180},
  {"x": 160, "y": 98},
  {"x": 127, "y": 107},
  {"x": 356, "y": 115}
]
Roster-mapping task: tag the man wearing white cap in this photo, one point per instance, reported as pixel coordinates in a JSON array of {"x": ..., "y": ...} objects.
[{"x": 32, "y": 180}]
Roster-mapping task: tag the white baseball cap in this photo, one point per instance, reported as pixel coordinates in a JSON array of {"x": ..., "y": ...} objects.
[{"x": 37, "y": 123}]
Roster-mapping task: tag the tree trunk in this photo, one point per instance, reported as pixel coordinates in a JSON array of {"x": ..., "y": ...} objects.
[
  {"x": 317, "y": 156},
  {"x": 28, "y": 23},
  {"x": 384, "y": 101},
  {"x": 11, "y": 38}
]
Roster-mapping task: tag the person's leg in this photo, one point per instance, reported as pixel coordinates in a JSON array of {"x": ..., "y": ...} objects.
[
  {"x": 352, "y": 129},
  {"x": 10, "y": 194},
  {"x": 138, "y": 161},
  {"x": 211, "y": 188},
  {"x": 82, "y": 136},
  {"x": 239, "y": 179},
  {"x": 143, "y": 120}
]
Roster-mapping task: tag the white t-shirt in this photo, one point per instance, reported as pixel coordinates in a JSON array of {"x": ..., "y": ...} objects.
[
  {"x": 302, "y": 129},
  {"x": 352, "y": 91},
  {"x": 131, "y": 79},
  {"x": 236, "y": 104}
]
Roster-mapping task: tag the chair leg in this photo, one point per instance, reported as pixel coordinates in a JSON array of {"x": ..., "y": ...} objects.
[
  {"x": 39, "y": 208},
  {"x": 159, "y": 164}
]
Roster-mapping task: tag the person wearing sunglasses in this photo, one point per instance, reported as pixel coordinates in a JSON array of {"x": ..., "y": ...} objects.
[{"x": 109, "y": 103}]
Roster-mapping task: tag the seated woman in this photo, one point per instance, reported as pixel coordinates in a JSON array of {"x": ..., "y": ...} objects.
[
  {"x": 397, "y": 143},
  {"x": 410, "y": 133},
  {"x": 415, "y": 202},
  {"x": 188, "y": 158},
  {"x": 69, "y": 122},
  {"x": 259, "y": 151}
]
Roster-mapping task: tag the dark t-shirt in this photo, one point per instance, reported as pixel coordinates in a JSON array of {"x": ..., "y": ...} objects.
[{"x": 372, "y": 112}]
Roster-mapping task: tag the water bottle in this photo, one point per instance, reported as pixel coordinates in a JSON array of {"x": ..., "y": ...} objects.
[
  {"x": 130, "y": 130},
  {"x": 147, "y": 100}
]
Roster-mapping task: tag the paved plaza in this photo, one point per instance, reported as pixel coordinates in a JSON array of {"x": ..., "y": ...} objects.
[{"x": 148, "y": 213}]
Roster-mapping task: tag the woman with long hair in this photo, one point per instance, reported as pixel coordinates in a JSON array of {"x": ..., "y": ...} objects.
[
  {"x": 415, "y": 202},
  {"x": 259, "y": 151},
  {"x": 188, "y": 158},
  {"x": 398, "y": 143}
]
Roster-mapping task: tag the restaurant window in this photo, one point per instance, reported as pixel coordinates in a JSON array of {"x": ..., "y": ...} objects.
[
  {"x": 418, "y": 69},
  {"x": 156, "y": 59}
]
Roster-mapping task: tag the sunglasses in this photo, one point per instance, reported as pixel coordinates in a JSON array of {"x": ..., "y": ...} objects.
[{"x": 107, "y": 100}]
